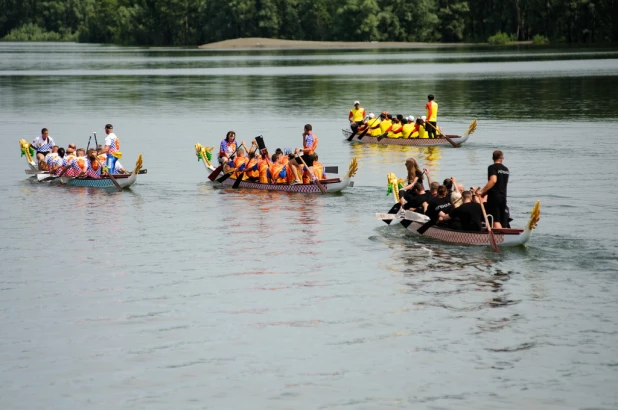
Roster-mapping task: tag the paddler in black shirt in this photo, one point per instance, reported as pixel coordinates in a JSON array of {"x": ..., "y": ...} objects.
[
  {"x": 414, "y": 200},
  {"x": 495, "y": 189},
  {"x": 439, "y": 203},
  {"x": 467, "y": 216}
]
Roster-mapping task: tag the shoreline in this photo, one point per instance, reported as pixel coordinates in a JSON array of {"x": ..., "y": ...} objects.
[{"x": 257, "y": 43}]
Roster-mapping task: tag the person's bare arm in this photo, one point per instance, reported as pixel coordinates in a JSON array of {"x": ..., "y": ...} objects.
[{"x": 490, "y": 184}]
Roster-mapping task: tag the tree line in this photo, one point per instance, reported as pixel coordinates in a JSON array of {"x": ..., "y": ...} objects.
[{"x": 195, "y": 22}]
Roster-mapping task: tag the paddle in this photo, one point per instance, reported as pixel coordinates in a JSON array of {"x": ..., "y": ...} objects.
[
  {"x": 229, "y": 174},
  {"x": 453, "y": 143},
  {"x": 242, "y": 174},
  {"x": 313, "y": 178},
  {"x": 218, "y": 170},
  {"x": 492, "y": 238},
  {"x": 109, "y": 172}
]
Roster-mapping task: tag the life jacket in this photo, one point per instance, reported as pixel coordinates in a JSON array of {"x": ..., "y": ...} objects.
[
  {"x": 407, "y": 130},
  {"x": 374, "y": 127},
  {"x": 76, "y": 166},
  {"x": 434, "y": 111},
  {"x": 318, "y": 171},
  {"x": 395, "y": 131},
  {"x": 278, "y": 173},
  {"x": 252, "y": 169},
  {"x": 94, "y": 169},
  {"x": 421, "y": 132},
  {"x": 357, "y": 115},
  {"x": 308, "y": 143},
  {"x": 239, "y": 163},
  {"x": 263, "y": 167},
  {"x": 385, "y": 125}
]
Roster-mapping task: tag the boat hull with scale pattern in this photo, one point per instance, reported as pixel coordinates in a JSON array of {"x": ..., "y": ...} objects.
[{"x": 414, "y": 142}]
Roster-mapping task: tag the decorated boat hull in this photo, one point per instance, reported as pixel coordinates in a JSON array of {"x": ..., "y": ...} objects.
[
  {"x": 124, "y": 180},
  {"x": 424, "y": 142},
  {"x": 412, "y": 221},
  {"x": 332, "y": 185}
]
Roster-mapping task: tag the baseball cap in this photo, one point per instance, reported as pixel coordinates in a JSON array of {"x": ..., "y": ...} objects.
[
  {"x": 356, "y": 102},
  {"x": 109, "y": 127},
  {"x": 423, "y": 118},
  {"x": 372, "y": 115},
  {"x": 410, "y": 118}
]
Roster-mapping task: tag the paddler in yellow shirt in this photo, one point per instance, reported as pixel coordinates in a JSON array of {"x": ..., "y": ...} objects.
[
  {"x": 396, "y": 129},
  {"x": 386, "y": 122},
  {"x": 408, "y": 128}
]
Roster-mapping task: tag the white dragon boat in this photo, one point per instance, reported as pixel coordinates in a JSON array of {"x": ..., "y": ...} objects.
[
  {"x": 332, "y": 185},
  {"x": 457, "y": 140},
  {"x": 413, "y": 222},
  {"x": 123, "y": 180}
]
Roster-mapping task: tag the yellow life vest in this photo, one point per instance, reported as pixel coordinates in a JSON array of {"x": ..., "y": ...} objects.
[
  {"x": 393, "y": 134},
  {"x": 374, "y": 127},
  {"x": 407, "y": 130},
  {"x": 421, "y": 132},
  {"x": 434, "y": 112},
  {"x": 357, "y": 115},
  {"x": 384, "y": 125}
]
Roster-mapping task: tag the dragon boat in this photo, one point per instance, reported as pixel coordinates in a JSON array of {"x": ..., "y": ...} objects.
[
  {"x": 423, "y": 142},
  {"x": 331, "y": 184},
  {"x": 105, "y": 182},
  {"x": 413, "y": 222}
]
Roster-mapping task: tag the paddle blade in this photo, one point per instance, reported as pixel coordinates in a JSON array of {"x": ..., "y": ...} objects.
[
  {"x": 214, "y": 174},
  {"x": 362, "y": 135},
  {"x": 115, "y": 182},
  {"x": 238, "y": 181},
  {"x": 425, "y": 227},
  {"x": 494, "y": 244},
  {"x": 224, "y": 177},
  {"x": 351, "y": 137},
  {"x": 321, "y": 187}
]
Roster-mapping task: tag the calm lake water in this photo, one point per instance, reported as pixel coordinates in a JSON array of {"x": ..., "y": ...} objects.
[{"x": 175, "y": 294}]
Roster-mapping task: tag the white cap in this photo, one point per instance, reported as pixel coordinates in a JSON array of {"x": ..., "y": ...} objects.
[
  {"x": 372, "y": 115},
  {"x": 423, "y": 118},
  {"x": 410, "y": 118},
  {"x": 356, "y": 102}
]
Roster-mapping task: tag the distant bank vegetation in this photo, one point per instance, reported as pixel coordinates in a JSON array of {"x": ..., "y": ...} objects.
[{"x": 195, "y": 22}]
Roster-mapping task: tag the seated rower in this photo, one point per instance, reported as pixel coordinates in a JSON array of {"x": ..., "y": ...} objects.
[
  {"x": 413, "y": 199},
  {"x": 252, "y": 172},
  {"x": 467, "y": 217},
  {"x": 318, "y": 170},
  {"x": 441, "y": 202},
  {"x": 396, "y": 129},
  {"x": 422, "y": 132},
  {"x": 78, "y": 165},
  {"x": 94, "y": 166},
  {"x": 263, "y": 166},
  {"x": 56, "y": 162},
  {"x": 238, "y": 164},
  {"x": 278, "y": 171},
  {"x": 373, "y": 125},
  {"x": 385, "y": 123}
]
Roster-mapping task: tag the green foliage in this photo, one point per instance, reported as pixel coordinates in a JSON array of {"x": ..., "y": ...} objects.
[
  {"x": 32, "y": 32},
  {"x": 499, "y": 38},
  {"x": 194, "y": 22},
  {"x": 539, "y": 39}
]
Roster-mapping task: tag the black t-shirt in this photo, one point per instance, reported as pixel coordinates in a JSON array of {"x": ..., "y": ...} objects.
[
  {"x": 437, "y": 204},
  {"x": 418, "y": 174},
  {"x": 470, "y": 215},
  {"x": 416, "y": 201},
  {"x": 498, "y": 191}
]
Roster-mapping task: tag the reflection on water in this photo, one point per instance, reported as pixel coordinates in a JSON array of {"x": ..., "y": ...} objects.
[{"x": 161, "y": 295}]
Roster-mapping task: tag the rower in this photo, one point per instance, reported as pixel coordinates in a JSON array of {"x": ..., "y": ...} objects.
[
  {"x": 278, "y": 170},
  {"x": 467, "y": 217},
  {"x": 310, "y": 143},
  {"x": 356, "y": 116},
  {"x": 239, "y": 162},
  {"x": 422, "y": 132},
  {"x": 43, "y": 144},
  {"x": 396, "y": 128},
  {"x": 374, "y": 125},
  {"x": 385, "y": 122},
  {"x": 94, "y": 166},
  {"x": 413, "y": 199},
  {"x": 252, "y": 172}
]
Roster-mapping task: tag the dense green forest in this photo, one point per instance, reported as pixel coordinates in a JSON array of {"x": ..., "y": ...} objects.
[{"x": 194, "y": 22}]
